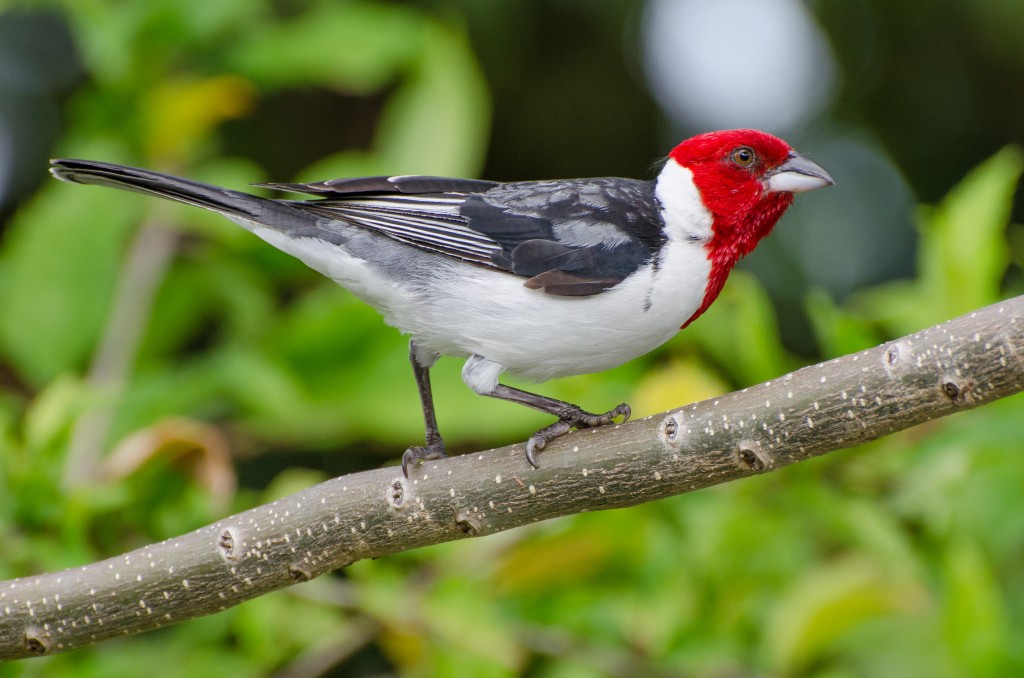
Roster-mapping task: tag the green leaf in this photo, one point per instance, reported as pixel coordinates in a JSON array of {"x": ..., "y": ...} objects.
[
  {"x": 354, "y": 46},
  {"x": 739, "y": 331},
  {"x": 963, "y": 253},
  {"x": 51, "y": 415},
  {"x": 437, "y": 122},
  {"x": 61, "y": 261},
  {"x": 974, "y": 619},
  {"x": 839, "y": 331},
  {"x": 826, "y": 604},
  {"x": 962, "y": 256}
]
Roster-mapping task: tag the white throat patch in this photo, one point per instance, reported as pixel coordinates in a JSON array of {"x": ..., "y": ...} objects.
[{"x": 686, "y": 217}]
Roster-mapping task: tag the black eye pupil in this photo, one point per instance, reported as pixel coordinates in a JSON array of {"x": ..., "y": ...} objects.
[{"x": 743, "y": 156}]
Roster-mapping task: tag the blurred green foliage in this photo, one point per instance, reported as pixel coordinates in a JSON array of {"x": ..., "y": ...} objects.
[{"x": 904, "y": 558}]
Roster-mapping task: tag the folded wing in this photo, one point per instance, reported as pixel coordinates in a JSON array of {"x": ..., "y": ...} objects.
[{"x": 568, "y": 238}]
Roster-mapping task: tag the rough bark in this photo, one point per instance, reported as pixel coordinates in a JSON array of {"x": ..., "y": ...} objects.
[{"x": 959, "y": 365}]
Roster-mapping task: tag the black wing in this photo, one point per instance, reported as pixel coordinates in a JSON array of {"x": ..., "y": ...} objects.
[{"x": 570, "y": 238}]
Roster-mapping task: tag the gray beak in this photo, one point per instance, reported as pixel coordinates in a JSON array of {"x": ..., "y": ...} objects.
[{"x": 796, "y": 175}]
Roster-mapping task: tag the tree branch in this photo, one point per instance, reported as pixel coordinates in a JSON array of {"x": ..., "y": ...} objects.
[{"x": 959, "y": 365}]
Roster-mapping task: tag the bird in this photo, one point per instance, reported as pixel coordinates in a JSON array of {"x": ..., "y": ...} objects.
[{"x": 536, "y": 279}]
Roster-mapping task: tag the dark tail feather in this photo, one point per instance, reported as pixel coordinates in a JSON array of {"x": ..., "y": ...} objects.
[{"x": 225, "y": 201}]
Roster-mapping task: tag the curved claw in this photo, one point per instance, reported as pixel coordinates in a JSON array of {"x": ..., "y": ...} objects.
[
  {"x": 534, "y": 444},
  {"x": 418, "y": 454},
  {"x": 539, "y": 440}
]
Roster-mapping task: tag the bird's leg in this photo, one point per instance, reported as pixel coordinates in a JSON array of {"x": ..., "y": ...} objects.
[
  {"x": 569, "y": 416},
  {"x": 434, "y": 449}
]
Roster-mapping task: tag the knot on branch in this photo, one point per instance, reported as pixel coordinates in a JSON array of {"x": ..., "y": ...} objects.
[
  {"x": 299, "y": 573},
  {"x": 753, "y": 456},
  {"x": 959, "y": 394},
  {"x": 671, "y": 428},
  {"x": 397, "y": 492},
  {"x": 468, "y": 523},
  {"x": 230, "y": 543},
  {"x": 898, "y": 356},
  {"x": 36, "y": 641}
]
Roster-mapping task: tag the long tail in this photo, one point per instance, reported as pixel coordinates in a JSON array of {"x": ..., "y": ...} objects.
[{"x": 232, "y": 204}]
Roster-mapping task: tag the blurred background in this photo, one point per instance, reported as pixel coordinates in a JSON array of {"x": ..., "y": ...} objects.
[{"x": 160, "y": 367}]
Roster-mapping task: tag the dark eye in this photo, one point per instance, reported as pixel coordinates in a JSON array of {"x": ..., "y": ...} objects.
[{"x": 743, "y": 156}]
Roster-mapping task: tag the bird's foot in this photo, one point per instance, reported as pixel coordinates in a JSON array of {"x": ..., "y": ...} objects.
[
  {"x": 571, "y": 418},
  {"x": 424, "y": 453}
]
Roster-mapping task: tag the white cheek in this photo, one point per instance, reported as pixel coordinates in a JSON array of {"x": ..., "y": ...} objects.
[{"x": 686, "y": 217}]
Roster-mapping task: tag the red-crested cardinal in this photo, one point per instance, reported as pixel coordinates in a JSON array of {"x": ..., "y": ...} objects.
[{"x": 540, "y": 279}]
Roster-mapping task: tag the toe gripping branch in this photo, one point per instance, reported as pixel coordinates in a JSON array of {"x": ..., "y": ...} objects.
[
  {"x": 569, "y": 417},
  {"x": 424, "y": 453}
]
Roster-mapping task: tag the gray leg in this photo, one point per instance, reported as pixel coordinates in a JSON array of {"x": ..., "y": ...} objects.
[
  {"x": 434, "y": 449},
  {"x": 569, "y": 416}
]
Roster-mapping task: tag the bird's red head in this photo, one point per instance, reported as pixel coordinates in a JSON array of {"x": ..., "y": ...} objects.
[
  {"x": 746, "y": 180},
  {"x": 729, "y": 170}
]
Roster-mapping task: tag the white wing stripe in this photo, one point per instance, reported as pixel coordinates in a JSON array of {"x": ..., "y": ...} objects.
[
  {"x": 430, "y": 223},
  {"x": 448, "y": 206},
  {"x": 416, "y": 222},
  {"x": 422, "y": 230}
]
